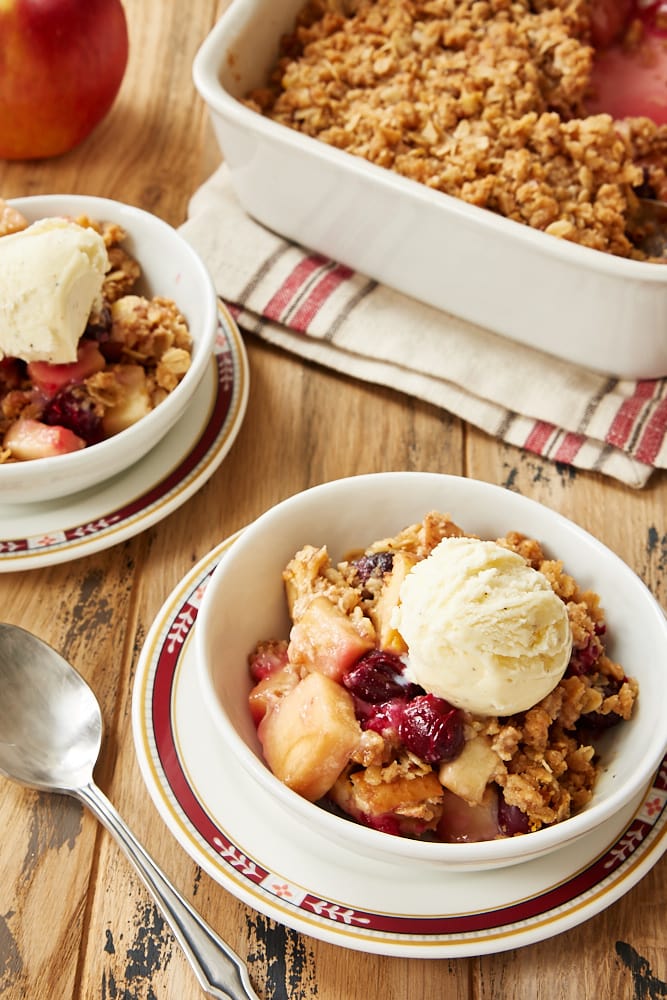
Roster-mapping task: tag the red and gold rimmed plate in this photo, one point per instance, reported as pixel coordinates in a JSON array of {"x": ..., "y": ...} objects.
[{"x": 249, "y": 845}]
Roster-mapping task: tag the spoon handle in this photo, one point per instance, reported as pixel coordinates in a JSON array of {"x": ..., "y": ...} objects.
[{"x": 220, "y": 971}]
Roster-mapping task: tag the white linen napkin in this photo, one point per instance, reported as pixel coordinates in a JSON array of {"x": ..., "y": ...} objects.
[{"x": 323, "y": 311}]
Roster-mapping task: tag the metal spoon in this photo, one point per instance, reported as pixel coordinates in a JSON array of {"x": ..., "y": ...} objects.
[{"x": 50, "y": 737}]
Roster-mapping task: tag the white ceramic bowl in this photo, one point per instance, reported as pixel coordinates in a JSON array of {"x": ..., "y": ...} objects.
[
  {"x": 244, "y": 602},
  {"x": 606, "y": 313},
  {"x": 171, "y": 269}
]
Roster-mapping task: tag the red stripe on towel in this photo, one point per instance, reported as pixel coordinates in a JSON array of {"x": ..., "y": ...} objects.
[
  {"x": 320, "y": 293},
  {"x": 653, "y": 436},
  {"x": 538, "y": 437},
  {"x": 624, "y": 421},
  {"x": 569, "y": 448},
  {"x": 281, "y": 299}
]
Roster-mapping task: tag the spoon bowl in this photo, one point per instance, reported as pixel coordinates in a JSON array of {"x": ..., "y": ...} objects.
[
  {"x": 50, "y": 720},
  {"x": 50, "y": 739}
]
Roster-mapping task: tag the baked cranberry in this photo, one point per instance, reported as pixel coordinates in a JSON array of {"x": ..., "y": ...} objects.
[
  {"x": 511, "y": 819},
  {"x": 375, "y": 677},
  {"x": 584, "y": 660},
  {"x": 432, "y": 728},
  {"x": 374, "y": 564},
  {"x": 594, "y": 724},
  {"x": 382, "y": 718},
  {"x": 72, "y": 407}
]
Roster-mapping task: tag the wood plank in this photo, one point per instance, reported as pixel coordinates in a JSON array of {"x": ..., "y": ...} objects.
[{"x": 74, "y": 919}]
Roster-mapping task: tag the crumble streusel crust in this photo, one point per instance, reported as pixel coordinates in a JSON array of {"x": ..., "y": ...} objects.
[{"x": 480, "y": 99}]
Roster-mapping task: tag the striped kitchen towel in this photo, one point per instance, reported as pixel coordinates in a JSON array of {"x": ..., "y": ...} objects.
[{"x": 329, "y": 314}]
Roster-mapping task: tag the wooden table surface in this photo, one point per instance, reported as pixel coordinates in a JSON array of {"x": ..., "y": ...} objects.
[{"x": 75, "y": 922}]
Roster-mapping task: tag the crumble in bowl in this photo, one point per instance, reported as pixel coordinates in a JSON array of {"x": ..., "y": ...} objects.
[
  {"x": 133, "y": 353},
  {"x": 342, "y": 724}
]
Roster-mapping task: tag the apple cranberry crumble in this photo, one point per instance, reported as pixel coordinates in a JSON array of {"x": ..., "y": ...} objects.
[
  {"x": 133, "y": 352},
  {"x": 342, "y": 720},
  {"x": 484, "y": 100}
]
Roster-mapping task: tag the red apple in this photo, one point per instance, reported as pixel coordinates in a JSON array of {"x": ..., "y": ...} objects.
[{"x": 61, "y": 65}]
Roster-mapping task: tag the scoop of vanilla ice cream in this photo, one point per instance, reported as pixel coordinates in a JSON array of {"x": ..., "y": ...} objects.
[
  {"x": 484, "y": 630},
  {"x": 51, "y": 275}
]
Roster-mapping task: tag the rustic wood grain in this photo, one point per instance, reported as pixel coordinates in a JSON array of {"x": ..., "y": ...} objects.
[{"x": 74, "y": 920}]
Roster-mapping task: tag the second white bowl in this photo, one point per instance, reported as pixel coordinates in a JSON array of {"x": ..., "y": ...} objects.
[
  {"x": 584, "y": 306},
  {"x": 170, "y": 269}
]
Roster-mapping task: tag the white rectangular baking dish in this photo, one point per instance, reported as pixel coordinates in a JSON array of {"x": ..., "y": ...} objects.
[{"x": 603, "y": 312}]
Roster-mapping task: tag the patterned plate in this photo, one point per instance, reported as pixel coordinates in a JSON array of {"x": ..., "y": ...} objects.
[
  {"x": 252, "y": 847},
  {"x": 45, "y": 533}
]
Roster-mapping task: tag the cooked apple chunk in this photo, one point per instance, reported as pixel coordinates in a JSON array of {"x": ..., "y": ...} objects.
[
  {"x": 469, "y": 773},
  {"x": 309, "y": 735},
  {"x": 329, "y": 641},
  {"x": 270, "y": 691},
  {"x": 462, "y": 823},
  {"x": 28, "y": 439},
  {"x": 133, "y": 400}
]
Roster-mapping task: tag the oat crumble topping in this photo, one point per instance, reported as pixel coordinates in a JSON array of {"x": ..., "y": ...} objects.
[{"x": 484, "y": 100}]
